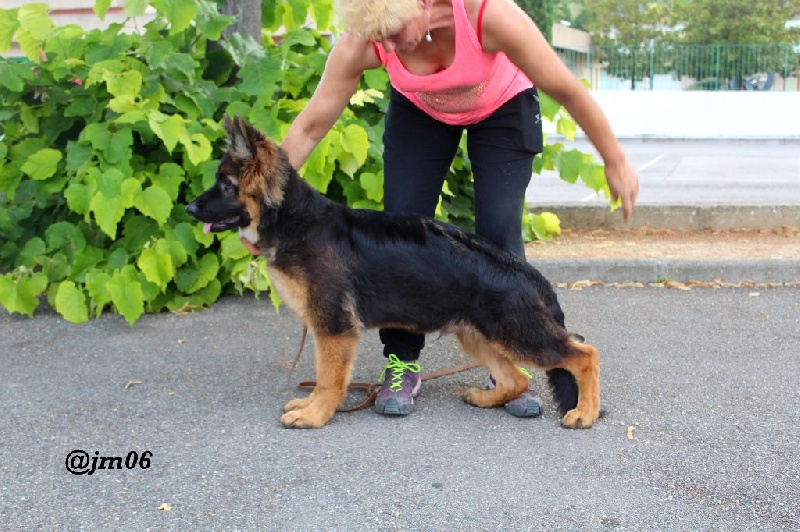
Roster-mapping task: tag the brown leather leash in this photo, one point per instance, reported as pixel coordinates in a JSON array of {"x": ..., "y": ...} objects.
[{"x": 369, "y": 388}]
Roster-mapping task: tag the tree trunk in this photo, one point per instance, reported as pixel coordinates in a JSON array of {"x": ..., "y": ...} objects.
[
  {"x": 248, "y": 22},
  {"x": 248, "y": 18}
]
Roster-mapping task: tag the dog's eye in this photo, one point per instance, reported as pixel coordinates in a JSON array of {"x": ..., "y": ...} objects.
[{"x": 226, "y": 186}]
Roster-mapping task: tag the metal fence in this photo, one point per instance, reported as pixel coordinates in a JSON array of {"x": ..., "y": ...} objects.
[{"x": 759, "y": 67}]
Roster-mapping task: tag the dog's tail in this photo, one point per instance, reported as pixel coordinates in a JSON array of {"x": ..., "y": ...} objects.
[{"x": 564, "y": 388}]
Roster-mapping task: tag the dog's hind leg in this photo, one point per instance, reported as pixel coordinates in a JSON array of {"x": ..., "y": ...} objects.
[
  {"x": 334, "y": 356},
  {"x": 509, "y": 380},
  {"x": 583, "y": 363}
]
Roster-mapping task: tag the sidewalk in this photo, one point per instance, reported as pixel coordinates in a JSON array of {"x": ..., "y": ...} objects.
[
  {"x": 770, "y": 251},
  {"x": 685, "y": 185}
]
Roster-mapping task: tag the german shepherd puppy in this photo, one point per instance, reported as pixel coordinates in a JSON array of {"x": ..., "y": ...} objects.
[{"x": 342, "y": 270}]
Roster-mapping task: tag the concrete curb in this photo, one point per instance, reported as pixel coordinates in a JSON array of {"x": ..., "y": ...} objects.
[
  {"x": 678, "y": 217},
  {"x": 681, "y": 270}
]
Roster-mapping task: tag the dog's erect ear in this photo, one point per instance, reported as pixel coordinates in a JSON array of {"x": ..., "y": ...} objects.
[{"x": 243, "y": 139}]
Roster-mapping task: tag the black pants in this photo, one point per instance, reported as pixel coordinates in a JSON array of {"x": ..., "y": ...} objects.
[{"x": 418, "y": 152}]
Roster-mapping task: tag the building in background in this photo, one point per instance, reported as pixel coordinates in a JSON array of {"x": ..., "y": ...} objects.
[{"x": 79, "y": 12}]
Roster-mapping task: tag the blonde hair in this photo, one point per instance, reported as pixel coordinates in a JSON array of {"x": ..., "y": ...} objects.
[{"x": 375, "y": 19}]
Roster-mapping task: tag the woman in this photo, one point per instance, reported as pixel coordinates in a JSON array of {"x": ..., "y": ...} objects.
[{"x": 454, "y": 65}]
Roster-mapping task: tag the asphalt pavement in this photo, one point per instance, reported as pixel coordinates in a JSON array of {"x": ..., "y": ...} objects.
[{"x": 701, "y": 428}]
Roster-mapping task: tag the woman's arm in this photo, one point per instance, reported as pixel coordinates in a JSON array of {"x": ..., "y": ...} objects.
[
  {"x": 348, "y": 59},
  {"x": 508, "y": 29}
]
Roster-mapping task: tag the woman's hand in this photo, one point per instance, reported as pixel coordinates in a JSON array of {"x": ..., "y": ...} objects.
[{"x": 624, "y": 184}]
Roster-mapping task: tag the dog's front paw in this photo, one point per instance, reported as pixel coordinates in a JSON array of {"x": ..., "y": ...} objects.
[
  {"x": 483, "y": 398},
  {"x": 578, "y": 419},
  {"x": 307, "y": 418},
  {"x": 297, "y": 404}
]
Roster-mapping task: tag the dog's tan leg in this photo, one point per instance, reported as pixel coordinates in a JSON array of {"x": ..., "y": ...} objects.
[
  {"x": 584, "y": 363},
  {"x": 334, "y": 357},
  {"x": 509, "y": 380}
]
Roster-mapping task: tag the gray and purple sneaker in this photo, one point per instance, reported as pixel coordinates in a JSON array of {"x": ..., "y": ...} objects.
[
  {"x": 400, "y": 383},
  {"x": 529, "y": 404}
]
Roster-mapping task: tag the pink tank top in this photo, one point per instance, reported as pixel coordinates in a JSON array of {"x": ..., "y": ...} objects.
[{"x": 469, "y": 90}]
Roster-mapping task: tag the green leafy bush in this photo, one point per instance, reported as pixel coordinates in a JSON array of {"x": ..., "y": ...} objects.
[{"x": 107, "y": 134}]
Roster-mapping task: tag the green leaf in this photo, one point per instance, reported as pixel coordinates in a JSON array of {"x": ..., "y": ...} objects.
[
  {"x": 260, "y": 78},
  {"x": 567, "y": 126},
  {"x": 101, "y": 8},
  {"x": 118, "y": 259},
  {"x": 106, "y": 204},
  {"x": 30, "y": 47},
  {"x": 355, "y": 144},
  {"x": 119, "y": 146},
  {"x": 88, "y": 258},
  {"x": 108, "y": 212},
  {"x": 97, "y": 135},
  {"x": 42, "y": 164},
  {"x": 193, "y": 278},
  {"x": 552, "y": 224},
  {"x": 184, "y": 234},
  {"x": 78, "y": 155},
  {"x": 594, "y": 176},
  {"x": 296, "y": 14},
  {"x": 210, "y": 23},
  {"x": 206, "y": 239},
  {"x": 32, "y": 251},
  {"x": 373, "y": 186},
  {"x": 548, "y": 106},
  {"x": 179, "y": 13},
  {"x": 80, "y": 107},
  {"x": 129, "y": 190},
  {"x": 169, "y": 129},
  {"x": 183, "y": 63},
  {"x": 66, "y": 237},
  {"x": 156, "y": 265},
  {"x": 97, "y": 286},
  {"x": 323, "y": 13},
  {"x": 135, "y": 8},
  {"x": 22, "y": 295},
  {"x": 170, "y": 177},
  {"x": 232, "y": 247},
  {"x": 33, "y": 19},
  {"x": 138, "y": 230},
  {"x": 569, "y": 164},
  {"x": 126, "y": 295},
  {"x": 70, "y": 302},
  {"x": 198, "y": 148},
  {"x": 173, "y": 246},
  {"x": 155, "y": 203},
  {"x": 8, "y": 27},
  {"x": 123, "y": 84},
  {"x": 317, "y": 171},
  {"x": 9, "y": 77}
]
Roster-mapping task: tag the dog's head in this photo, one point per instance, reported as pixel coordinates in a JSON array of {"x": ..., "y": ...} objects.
[{"x": 250, "y": 177}]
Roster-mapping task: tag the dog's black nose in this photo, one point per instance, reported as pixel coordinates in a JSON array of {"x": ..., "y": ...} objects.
[{"x": 192, "y": 208}]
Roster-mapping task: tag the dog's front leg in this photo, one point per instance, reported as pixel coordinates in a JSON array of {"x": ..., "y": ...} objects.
[{"x": 334, "y": 356}]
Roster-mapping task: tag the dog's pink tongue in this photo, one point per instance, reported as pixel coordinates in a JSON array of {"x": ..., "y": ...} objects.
[{"x": 206, "y": 228}]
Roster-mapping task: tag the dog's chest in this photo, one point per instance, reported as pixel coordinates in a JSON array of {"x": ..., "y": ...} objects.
[{"x": 293, "y": 292}]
